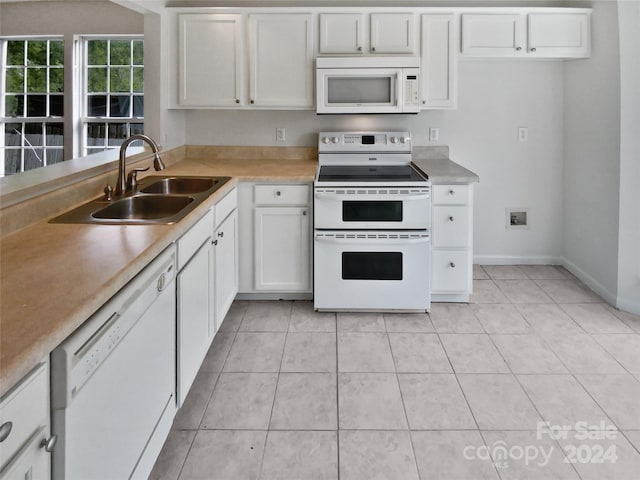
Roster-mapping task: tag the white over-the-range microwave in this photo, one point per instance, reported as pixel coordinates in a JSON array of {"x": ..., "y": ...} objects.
[{"x": 367, "y": 85}]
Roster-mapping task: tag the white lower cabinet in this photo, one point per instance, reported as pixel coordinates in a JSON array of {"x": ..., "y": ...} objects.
[
  {"x": 225, "y": 241},
  {"x": 452, "y": 241},
  {"x": 24, "y": 428},
  {"x": 196, "y": 321}
]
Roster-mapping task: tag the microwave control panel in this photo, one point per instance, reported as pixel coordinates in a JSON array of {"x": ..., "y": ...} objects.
[{"x": 412, "y": 91}]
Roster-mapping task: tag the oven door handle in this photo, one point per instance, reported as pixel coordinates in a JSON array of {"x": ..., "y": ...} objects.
[
  {"x": 377, "y": 241},
  {"x": 365, "y": 197}
]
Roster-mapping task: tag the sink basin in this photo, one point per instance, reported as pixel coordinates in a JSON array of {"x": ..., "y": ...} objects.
[
  {"x": 159, "y": 200},
  {"x": 147, "y": 207},
  {"x": 181, "y": 185}
]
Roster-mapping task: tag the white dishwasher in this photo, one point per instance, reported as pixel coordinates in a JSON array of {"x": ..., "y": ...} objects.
[{"x": 113, "y": 381}]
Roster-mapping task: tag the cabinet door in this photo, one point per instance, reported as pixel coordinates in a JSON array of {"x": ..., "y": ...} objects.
[
  {"x": 341, "y": 33},
  {"x": 33, "y": 462},
  {"x": 281, "y": 60},
  {"x": 210, "y": 60},
  {"x": 393, "y": 33},
  {"x": 282, "y": 249},
  {"x": 493, "y": 34},
  {"x": 226, "y": 266},
  {"x": 438, "y": 61},
  {"x": 193, "y": 295},
  {"x": 563, "y": 35}
]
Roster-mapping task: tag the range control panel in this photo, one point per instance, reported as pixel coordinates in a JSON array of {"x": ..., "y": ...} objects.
[{"x": 352, "y": 142}]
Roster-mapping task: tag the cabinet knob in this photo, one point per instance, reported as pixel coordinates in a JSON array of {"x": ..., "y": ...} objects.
[
  {"x": 452, "y": 192},
  {"x": 518, "y": 49},
  {"x": 49, "y": 444},
  {"x": 5, "y": 430},
  {"x": 451, "y": 219},
  {"x": 251, "y": 102},
  {"x": 237, "y": 100},
  {"x": 215, "y": 242},
  {"x": 304, "y": 212},
  {"x": 278, "y": 193},
  {"x": 452, "y": 265},
  {"x": 533, "y": 49},
  {"x": 373, "y": 49},
  {"x": 360, "y": 48},
  {"x": 221, "y": 234}
]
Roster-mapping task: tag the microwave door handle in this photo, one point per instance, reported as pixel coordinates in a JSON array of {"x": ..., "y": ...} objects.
[
  {"x": 376, "y": 241},
  {"x": 398, "y": 77}
]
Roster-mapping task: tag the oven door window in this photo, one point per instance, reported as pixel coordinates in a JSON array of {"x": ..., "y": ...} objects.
[
  {"x": 372, "y": 265},
  {"x": 372, "y": 211}
]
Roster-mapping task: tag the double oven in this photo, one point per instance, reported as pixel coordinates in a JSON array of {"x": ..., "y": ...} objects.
[{"x": 372, "y": 218}]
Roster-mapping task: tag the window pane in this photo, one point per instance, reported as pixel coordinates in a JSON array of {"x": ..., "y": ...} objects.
[
  {"x": 36, "y": 105},
  {"x": 97, "y": 106},
  {"x": 13, "y": 134},
  {"x": 37, "y": 80},
  {"x": 33, "y": 134},
  {"x": 15, "y": 52},
  {"x": 120, "y": 80},
  {"x": 56, "y": 52},
  {"x": 97, "y": 52},
  {"x": 120, "y": 52},
  {"x": 14, "y": 105},
  {"x": 55, "y": 134},
  {"x": 117, "y": 134},
  {"x": 97, "y": 80},
  {"x": 36, "y": 52},
  {"x": 33, "y": 158},
  {"x": 138, "y": 106},
  {"x": 54, "y": 155},
  {"x": 96, "y": 134},
  {"x": 138, "y": 79},
  {"x": 12, "y": 161},
  {"x": 138, "y": 52},
  {"x": 15, "y": 80},
  {"x": 119, "y": 106},
  {"x": 56, "y": 106},
  {"x": 56, "y": 80},
  {"x": 137, "y": 128}
]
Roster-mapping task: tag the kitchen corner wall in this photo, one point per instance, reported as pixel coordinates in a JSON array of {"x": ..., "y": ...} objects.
[{"x": 495, "y": 98}]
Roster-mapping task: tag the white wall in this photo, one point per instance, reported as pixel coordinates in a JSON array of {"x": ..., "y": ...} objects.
[
  {"x": 495, "y": 98},
  {"x": 629, "y": 238},
  {"x": 592, "y": 157}
]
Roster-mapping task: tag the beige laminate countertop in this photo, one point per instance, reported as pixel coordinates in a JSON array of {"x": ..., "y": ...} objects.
[{"x": 53, "y": 277}]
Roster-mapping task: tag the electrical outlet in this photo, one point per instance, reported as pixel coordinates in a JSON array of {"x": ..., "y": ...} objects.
[
  {"x": 523, "y": 134},
  {"x": 434, "y": 134},
  {"x": 280, "y": 134}
]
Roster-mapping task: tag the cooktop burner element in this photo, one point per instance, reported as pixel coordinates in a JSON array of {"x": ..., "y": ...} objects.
[{"x": 354, "y": 173}]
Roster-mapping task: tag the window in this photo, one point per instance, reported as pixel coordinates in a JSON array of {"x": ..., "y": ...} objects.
[
  {"x": 33, "y": 104},
  {"x": 114, "y": 95}
]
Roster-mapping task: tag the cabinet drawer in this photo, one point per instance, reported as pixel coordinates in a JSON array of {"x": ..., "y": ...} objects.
[
  {"x": 451, "y": 194},
  {"x": 450, "y": 226},
  {"x": 191, "y": 241},
  {"x": 449, "y": 271},
  {"x": 281, "y": 194},
  {"x": 27, "y": 408},
  {"x": 225, "y": 206}
]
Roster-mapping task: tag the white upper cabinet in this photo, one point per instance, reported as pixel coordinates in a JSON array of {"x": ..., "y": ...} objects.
[
  {"x": 281, "y": 60},
  {"x": 544, "y": 34},
  {"x": 559, "y": 34},
  {"x": 492, "y": 34},
  {"x": 388, "y": 33},
  {"x": 438, "y": 48},
  {"x": 210, "y": 60},
  {"x": 341, "y": 33}
]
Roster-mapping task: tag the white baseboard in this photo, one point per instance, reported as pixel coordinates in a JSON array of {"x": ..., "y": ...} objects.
[
  {"x": 590, "y": 282},
  {"x": 628, "y": 304},
  {"x": 516, "y": 260}
]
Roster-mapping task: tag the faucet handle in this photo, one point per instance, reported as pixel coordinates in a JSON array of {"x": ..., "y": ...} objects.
[
  {"x": 132, "y": 178},
  {"x": 108, "y": 193}
]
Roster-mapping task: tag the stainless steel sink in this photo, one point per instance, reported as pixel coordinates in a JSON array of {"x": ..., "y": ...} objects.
[
  {"x": 181, "y": 185},
  {"x": 146, "y": 207},
  {"x": 157, "y": 200}
]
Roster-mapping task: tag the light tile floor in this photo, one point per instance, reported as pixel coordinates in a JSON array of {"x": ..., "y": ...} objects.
[{"x": 287, "y": 393}]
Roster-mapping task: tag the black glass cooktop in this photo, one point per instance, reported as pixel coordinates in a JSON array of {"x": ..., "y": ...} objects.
[{"x": 356, "y": 173}]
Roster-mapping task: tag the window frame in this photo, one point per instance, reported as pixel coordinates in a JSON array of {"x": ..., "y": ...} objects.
[{"x": 24, "y": 120}]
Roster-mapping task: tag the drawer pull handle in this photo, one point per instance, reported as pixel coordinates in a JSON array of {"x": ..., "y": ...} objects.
[
  {"x": 451, "y": 219},
  {"x": 221, "y": 234},
  {"x": 452, "y": 192},
  {"x": 5, "y": 430},
  {"x": 452, "y": 265},
  {"x": 518, "y": 49},
  {"x": 278, "y": 193},
  {"x": 49, "y": 444}
]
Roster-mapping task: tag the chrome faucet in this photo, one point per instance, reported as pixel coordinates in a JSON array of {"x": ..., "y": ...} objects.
[{"x": 125, "y": 183}]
